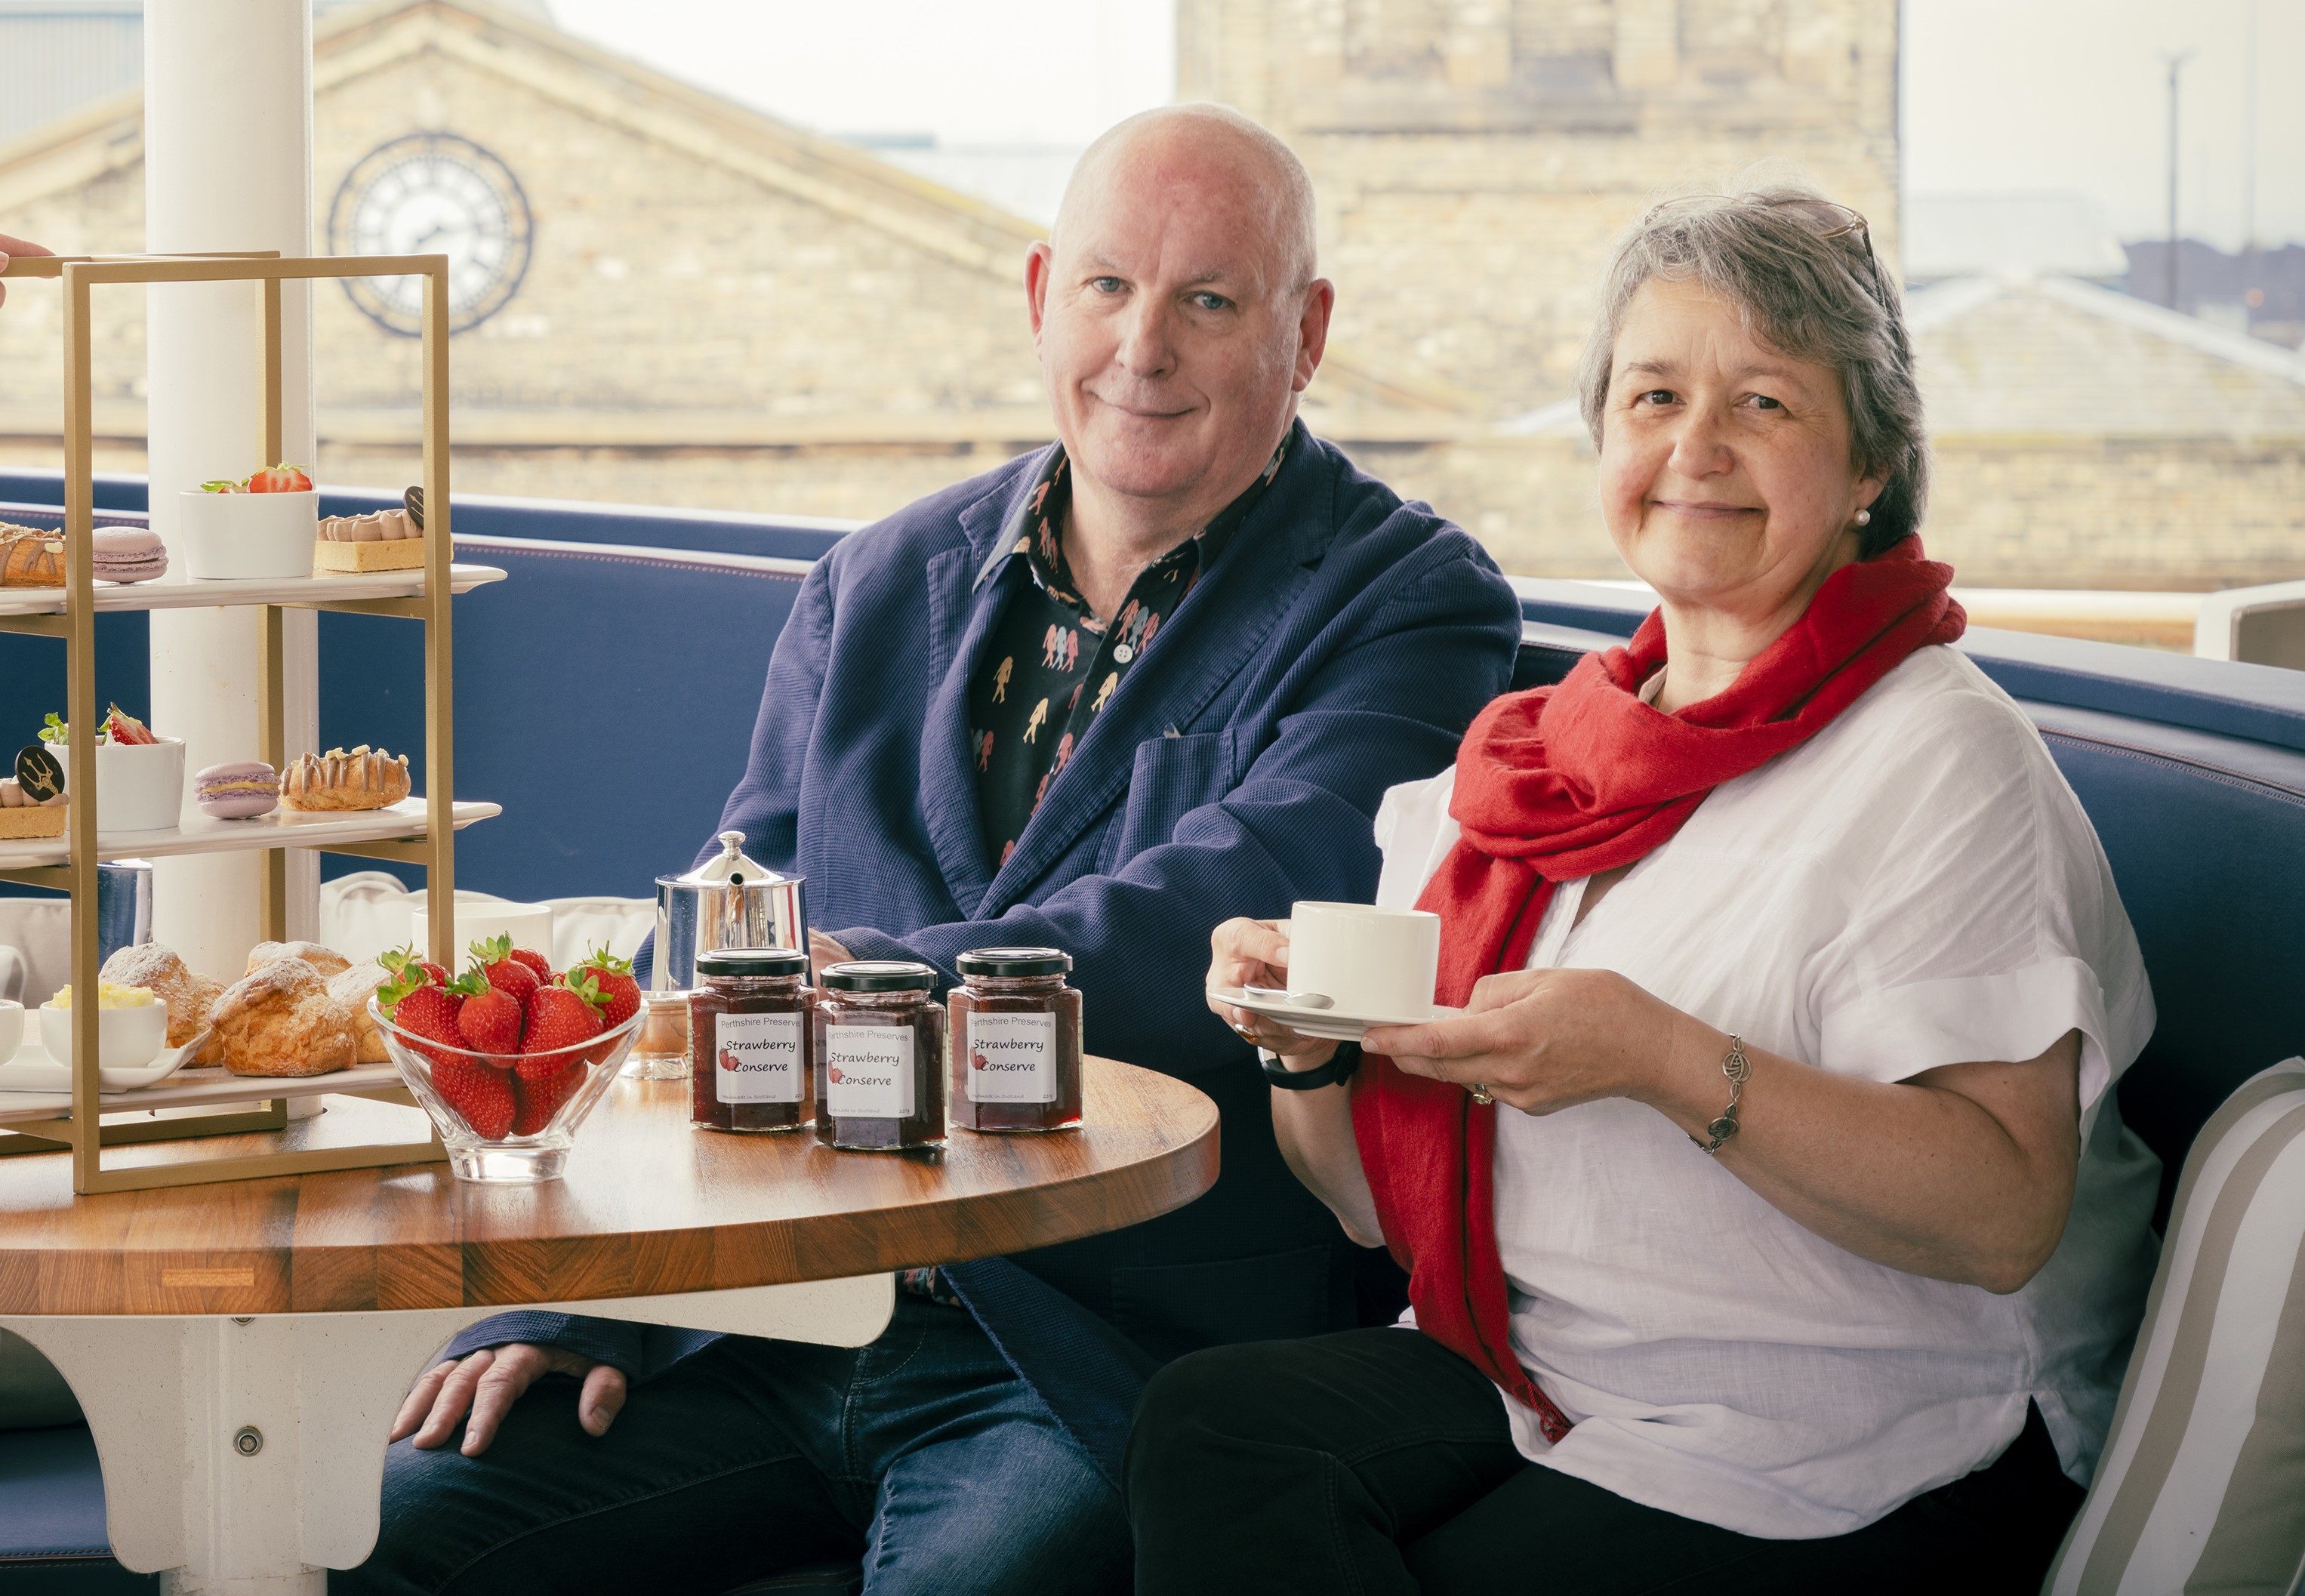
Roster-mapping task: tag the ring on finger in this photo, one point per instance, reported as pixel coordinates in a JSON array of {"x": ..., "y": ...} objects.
[{"x": 1481, "y": 1094}]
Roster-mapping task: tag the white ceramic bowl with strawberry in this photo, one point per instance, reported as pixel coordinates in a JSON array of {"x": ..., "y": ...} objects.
[
  {"x": 263, "y": 527},
  {"x": 139, "y": 786},
  {"x": 504, "y": 1116}
]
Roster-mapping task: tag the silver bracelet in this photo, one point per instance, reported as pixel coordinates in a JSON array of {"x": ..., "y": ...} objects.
[{"x": 1739, "y": 1069}]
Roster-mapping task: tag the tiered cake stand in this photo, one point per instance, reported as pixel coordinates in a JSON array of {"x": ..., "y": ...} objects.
[{"x": 416, "y": 831}]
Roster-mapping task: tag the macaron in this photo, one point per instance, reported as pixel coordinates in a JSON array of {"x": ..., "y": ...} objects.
[
  {"x": 128, "y": 554},
  {"x": 237, "y": 789}
]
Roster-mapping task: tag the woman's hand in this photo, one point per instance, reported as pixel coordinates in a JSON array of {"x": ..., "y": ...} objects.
[
  {"x": 1542, "y": 1040},
  {"x": 16, "y": 246},
  {"x": 1255, "y": 952}
]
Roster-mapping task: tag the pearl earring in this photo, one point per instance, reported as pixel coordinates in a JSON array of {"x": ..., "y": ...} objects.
[{"x": 1865, "y": 518}]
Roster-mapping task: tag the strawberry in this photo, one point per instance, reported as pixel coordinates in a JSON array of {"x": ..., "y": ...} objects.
[
  {"x": 419, "y": 1008},
  {"x": 481, "y": 1096},
  {"x": 614, "y": 977},
  {"x": 280, "y": 479},
  {"x": 536, "y": 962},
  {"x": 490, "y": 1019},
  {"x": 540, "y": 1099},
  {"x": 558, "y": 1017},
  {"x": 400, "y": 959},
  {"x": 506, "y": 970},
  {"x": 126, "y": 728}
]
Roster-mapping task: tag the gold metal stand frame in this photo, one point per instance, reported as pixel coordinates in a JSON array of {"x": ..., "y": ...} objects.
[{"x": 436, "y": 850}]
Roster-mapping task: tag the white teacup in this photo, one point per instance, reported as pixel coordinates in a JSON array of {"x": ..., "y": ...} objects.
[
  {"x": 12, "y": 1028},
  {"x": 1363, "y": 959}
]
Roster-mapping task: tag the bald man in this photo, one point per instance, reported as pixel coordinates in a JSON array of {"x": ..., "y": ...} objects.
[{"x": 1099, "y": 699}]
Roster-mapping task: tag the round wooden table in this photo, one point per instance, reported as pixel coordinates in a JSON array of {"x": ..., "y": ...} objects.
[{"x": 240, "y": 1349}]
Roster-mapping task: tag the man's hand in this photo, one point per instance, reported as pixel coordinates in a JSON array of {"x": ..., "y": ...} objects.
[
  {"x": 823, "y": 950},
  {"x": 16, "y": 246},
  {"x": 488, "y": 1383}
]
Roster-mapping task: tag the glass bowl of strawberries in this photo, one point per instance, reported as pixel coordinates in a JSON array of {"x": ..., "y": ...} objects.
[{"x": 510, "y": 1057}]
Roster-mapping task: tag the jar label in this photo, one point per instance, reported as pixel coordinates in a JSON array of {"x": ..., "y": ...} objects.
[
  {"x": 868, "y": 1072},
  {"x": 1012, "y": 1058},
  {"x": 756, "y": 1058}
]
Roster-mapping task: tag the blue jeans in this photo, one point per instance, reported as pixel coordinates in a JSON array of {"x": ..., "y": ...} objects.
[{"x": 923, "y": 1453}]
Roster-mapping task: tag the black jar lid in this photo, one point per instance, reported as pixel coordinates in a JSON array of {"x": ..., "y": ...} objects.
[
  {"x": 878, "y": 975},
  {"x": 1011, "y": 962},
  {"x": 751, "y": 961}
]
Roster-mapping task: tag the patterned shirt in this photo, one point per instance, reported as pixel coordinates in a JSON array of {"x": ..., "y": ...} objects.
[{"x": 1052, "y": 665}]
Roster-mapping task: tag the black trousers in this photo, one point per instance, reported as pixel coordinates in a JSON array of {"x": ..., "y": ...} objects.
[{"x": 1378, "y": 1462}]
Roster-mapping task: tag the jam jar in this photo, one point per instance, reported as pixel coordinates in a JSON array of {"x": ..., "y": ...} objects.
[
  {"x": 748, "y": 1040},
  {"x": 880, "y": 1055},
  {"x": 1015, "y": 1041}
]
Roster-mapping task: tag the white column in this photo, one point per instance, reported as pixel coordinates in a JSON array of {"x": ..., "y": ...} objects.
[{"x": 227, "y": 166}]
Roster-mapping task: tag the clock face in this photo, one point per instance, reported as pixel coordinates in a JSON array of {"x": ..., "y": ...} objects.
[{"x": 432, "y": 194}]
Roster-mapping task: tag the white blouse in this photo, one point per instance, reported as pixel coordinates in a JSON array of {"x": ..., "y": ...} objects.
[{"x": 1915, "y": 886}]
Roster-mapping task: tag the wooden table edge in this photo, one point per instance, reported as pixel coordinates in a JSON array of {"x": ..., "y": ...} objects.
[{"x": 772, "y": 1252}]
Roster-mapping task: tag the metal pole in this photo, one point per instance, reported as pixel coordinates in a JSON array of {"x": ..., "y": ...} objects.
[
  {"x": 2248, "y": 137},
  {"x": 2176, "y": 64}
]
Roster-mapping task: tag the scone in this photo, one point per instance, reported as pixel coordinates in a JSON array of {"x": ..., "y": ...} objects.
[
  {"x": 281, "y": 1021},
  {"x": 327, "y": 961},
  {"x": 364, "y": 779},
  {"x": 190, "y": 999},
  {"x": 352, "y": 987}
]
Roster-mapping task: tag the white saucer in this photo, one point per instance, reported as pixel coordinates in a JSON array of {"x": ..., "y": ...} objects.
[
  {"x": 1340, "y": 1023},
  {"x": 32, "y": 1070}
]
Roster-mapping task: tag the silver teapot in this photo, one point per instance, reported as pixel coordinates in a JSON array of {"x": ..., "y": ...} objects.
[{"x": 729, "y": 901}]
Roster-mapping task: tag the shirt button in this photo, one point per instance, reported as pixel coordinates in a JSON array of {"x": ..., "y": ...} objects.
[{"x": 1122, "y": 654}]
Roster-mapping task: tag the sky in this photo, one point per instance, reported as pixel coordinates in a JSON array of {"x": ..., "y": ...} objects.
[{"x": 1997, "y": 96}]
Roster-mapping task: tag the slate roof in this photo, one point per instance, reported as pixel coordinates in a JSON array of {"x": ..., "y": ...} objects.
[{"x": 2018, "y": 356}]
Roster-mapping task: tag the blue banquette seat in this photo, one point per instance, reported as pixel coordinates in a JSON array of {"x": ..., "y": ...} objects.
[{"x": 606, "y": 694}]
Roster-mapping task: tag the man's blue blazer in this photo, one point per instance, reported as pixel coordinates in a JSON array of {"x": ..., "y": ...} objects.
[{"x": 1339, "y": 644}]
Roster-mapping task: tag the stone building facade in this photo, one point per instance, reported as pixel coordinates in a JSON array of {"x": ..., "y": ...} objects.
[
  {"x": 1474, "y": 157},
  {"x": 718, "y": 310}
]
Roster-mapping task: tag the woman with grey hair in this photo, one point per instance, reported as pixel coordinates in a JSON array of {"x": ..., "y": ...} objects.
[{"x": 1769, "y": 1221}]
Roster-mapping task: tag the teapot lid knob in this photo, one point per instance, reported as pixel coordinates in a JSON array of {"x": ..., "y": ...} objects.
[{"x": 728, "y": 867}]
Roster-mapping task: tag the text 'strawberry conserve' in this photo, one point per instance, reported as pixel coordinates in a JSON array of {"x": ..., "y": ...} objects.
[
  {"x": 1015, "y": 1041},
  {"x": 880, "y": 1051},
  {"x": 748, "y": 1040}
]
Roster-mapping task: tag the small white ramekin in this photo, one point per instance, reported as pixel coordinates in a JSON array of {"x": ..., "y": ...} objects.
[
  {"x": 126, "y": 1039},
  {"x": 266, "y": 536},
  {"x": 139, "y": 786}
]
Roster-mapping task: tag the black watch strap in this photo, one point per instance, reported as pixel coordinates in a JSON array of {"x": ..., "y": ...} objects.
[{"x": 1337, "y": 1070}]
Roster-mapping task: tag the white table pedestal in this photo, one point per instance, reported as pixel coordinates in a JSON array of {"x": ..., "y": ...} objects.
[{"x": 247, "y": 1455}]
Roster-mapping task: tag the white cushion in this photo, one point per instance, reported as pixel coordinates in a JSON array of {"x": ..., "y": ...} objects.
[
  {"x": 364, "y": 914},
  {"x": 2201, "y": 1485}
]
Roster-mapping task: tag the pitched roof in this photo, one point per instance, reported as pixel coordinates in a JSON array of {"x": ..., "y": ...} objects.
[{"x": 2018, "y": 355}]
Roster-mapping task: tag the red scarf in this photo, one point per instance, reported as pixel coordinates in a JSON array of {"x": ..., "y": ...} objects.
[{"x": 1562, "y": 782}]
